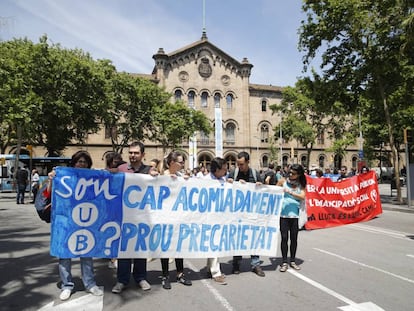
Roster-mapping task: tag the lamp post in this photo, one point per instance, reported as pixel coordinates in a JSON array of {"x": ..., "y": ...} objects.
[{"x": 281, "y": 140}]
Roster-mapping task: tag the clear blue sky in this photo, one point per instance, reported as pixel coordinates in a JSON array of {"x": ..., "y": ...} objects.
[{"x": 129, "y": 32}]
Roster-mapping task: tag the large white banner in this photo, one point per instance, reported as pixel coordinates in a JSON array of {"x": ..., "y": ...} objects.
[{"x": 99, "y": 214}]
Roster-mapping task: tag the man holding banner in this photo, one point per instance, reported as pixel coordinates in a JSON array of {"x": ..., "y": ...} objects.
[
  {"x": 244, "y": 173},
  {"x": 135, "y": 165}
]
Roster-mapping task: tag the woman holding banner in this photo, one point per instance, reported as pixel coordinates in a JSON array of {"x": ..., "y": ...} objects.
[
  {"x": 174, "y": 164},
  {"x": 294, "y": 192},
  {"x": 80, "y": 159}
]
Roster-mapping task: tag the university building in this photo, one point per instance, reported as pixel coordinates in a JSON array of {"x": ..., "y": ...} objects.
[{"x": 212, "y": 81}]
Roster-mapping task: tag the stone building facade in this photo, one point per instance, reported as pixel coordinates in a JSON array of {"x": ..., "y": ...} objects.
[{"x": 212, "y": 81}]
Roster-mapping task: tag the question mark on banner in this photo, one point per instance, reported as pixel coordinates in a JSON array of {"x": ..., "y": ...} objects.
[{"x": 108, "y": 243}]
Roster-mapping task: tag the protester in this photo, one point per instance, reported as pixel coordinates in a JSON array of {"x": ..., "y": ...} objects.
[
  {"x": 243, "y": 173},
  {"x": 80, "y": 159},
  {"x": 294, "y": 193},
  {"x": 112, "y": 161},
  {"x": 139, "y": 273},
  {"x": 318, "y": 173},
  {"x": 218, "y": 171},
  {"x": 174, "y": 164},
  {"x": 343, "y": 173}
]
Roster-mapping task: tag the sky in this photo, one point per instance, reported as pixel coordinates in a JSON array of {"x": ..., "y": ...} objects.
[{"x": 130, "y": 32}]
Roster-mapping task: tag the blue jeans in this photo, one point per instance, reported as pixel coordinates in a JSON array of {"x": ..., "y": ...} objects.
[
  {"x": 124, "y": 270},
  {"x": 88, "y": 278}
]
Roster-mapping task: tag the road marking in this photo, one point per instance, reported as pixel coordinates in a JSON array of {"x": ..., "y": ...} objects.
[
  {"x": 409, "y": 255},
  {"x": 391, "y": 233},
  {"x": 87, "y": 302},
  {"x": 223, "y": 301},
  {"x": 365, "y": 265},
  {"x": 352, "y": 306}
]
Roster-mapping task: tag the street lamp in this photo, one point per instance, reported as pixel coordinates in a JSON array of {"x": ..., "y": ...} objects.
[{"x": 281, "y": 140}]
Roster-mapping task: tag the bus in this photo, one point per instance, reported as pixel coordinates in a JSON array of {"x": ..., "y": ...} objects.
[{"x": 43, "y": 165}]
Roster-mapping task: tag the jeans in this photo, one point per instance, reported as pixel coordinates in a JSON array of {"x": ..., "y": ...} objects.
[
  {"x": 124, "y": 270},
  {"x": 21, "y": 189},
  {"x": 65, "y": 273}
]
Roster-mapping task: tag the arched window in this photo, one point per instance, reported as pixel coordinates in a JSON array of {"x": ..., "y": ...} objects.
[
  {"x": 204, "y": 99},
  {"x": 285, "y": 159},
  {"x": 217, "y": 97},
  {"x": 321, "y": 161},
  {"x": 354, "y": 161},
  {"x": 177, "y": 95},
  {"x": 304, "y": 161},
  {"x": 230, "y": 133},
  {"x": 264, "y": 105},
  {"x": 191, "y": 96},
  {"x": 265, "y": 161},
  {"x": 229, "y": 101},
  {"x": 264, "y": 133}
]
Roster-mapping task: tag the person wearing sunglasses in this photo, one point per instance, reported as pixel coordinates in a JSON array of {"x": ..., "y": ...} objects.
[{"x": 294, "y": 192}]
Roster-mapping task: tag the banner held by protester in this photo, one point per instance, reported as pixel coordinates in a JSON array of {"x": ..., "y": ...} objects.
[{"x": 104, "y": 215}]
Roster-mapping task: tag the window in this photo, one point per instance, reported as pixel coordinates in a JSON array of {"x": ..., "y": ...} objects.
[
  {"x": 321, "y": 138},
  {"x": 265, "y": 161},
  {"x": 321, "y": 161},
  {"x": 354, "y": 161},
  {"x": 264, "y": 105},
  {"x": 204, "y": 98},
  {"x": 229, "y": 101},
  {"x": 191, "y": 96},
  {"x": 217, "y": 97},
  {"x": 230, "y": 133},
  {"x": 204, "y": 139},
  {"x": 264, "y": 133},
  {"x": 110, "y": 132},
  {"x": 304, "y": 161},
  {"x": 177, "y": 95}
]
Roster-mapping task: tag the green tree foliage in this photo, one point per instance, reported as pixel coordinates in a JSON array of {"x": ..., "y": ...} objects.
[
  {"x": 360, "y": 42},
  {"x": 56, "y": 95},
  {"x": 133, "y": 103},
  {"x": 174, "y": 122}
]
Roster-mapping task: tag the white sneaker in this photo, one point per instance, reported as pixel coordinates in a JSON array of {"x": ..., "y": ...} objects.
[
  {"x": 144, "y": 285},
  {"x": 95, "y": 290},
  {"x": 65, "y": 294},
  {"x": 118, "y": 288}
]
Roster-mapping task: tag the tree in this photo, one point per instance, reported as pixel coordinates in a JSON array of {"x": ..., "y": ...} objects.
[
  {"x": 174, "y": 122},
  {"x": 360, "y": 43},
  {"x": 56, "y": 96}
]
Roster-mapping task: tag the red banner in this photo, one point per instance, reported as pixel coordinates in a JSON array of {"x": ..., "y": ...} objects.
[{"x": 351, "y": 200}]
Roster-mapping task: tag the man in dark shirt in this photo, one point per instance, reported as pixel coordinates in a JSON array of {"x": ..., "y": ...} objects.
[
  {"x": 135, "y": 165},
  {"x": 22, "y": 178},
  {"x": 244, "y": 173}
]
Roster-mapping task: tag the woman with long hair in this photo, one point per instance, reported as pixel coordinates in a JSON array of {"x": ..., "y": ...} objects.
[{"x": 294, "y": 186}]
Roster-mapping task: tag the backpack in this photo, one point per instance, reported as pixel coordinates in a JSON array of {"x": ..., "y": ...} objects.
[
  {"x": 236, "y": 172},
  {"x": 43, "y": 204}
]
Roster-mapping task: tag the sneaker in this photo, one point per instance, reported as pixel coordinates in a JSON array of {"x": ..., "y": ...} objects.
[
  {"x": 294, "y": 265},
  {"x": 65, "y": 294},
  {"x": 283, "y": 267},
  {"x": 258, "y": 270},
  {"x": 220, "y": 279},
  {"x": 144, "y": 285},
  {"x": 181, "y": 279},
  {"x": 166, "y": 282},
  {"x": 95, "y": 290},
  {"x": 119, "y": 287}
]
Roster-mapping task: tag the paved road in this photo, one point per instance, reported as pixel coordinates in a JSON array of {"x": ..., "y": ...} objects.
[{"x": 365, "y": 266}]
